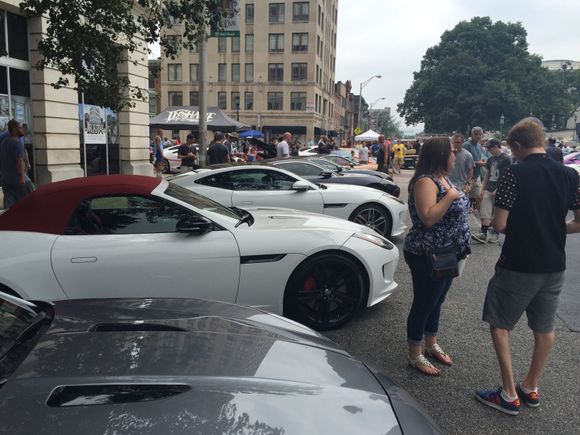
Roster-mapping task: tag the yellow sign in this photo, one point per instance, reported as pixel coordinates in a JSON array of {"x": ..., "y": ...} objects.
[{"x": 357, "y": 131}]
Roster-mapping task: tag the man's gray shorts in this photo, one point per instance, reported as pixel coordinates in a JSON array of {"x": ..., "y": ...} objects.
[{"x": 510, "y": 293}]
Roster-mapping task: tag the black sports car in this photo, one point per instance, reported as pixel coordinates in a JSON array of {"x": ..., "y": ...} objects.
[
  {"x": 185, "y": 366},
  {"x": 318, "y": 173}
]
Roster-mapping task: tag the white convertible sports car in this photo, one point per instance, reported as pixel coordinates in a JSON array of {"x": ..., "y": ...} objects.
[
  {"x": 253, "y": 186},
  {"x": 133, "y": 236}
]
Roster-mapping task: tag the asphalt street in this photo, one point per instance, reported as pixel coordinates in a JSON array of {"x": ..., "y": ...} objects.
[{"x": 378, "y": 337}]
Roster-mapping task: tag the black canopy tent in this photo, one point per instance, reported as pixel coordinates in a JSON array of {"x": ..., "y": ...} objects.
[{"x": 187, "y": 118}]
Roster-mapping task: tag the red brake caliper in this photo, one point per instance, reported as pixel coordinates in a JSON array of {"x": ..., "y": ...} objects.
[{"x": 309, "y": 283}]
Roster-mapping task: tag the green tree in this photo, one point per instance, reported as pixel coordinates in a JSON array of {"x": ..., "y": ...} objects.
[
  {"x": 479, "y": 71},
  {"x": 387, "y": 124},
  {"x": 85, "y": 40}
]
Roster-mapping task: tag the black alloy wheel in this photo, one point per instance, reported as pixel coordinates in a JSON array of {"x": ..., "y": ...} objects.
[
  {"x": 375, "y": 217},
  {"x": 325, "y": 292}
]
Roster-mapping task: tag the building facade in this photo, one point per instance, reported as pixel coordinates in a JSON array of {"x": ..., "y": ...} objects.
[
  {"x": 53, "y": 117},
  {"x": 278, "y": 76}
]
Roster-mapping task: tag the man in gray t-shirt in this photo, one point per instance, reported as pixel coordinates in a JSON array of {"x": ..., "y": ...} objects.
[
  {"x": 12, "y": 167},
  {"x": 462, "y": 172}
]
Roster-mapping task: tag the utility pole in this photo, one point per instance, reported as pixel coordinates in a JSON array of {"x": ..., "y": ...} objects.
[{"x": 203, "y": 88}]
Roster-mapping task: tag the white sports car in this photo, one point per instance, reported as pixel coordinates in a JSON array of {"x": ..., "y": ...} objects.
[
  {"x": 256, "y": 186},
  {"x": 133, "y": 236}
]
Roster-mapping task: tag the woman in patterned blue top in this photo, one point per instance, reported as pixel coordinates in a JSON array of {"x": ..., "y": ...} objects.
[{"x": 439, "y": 217}]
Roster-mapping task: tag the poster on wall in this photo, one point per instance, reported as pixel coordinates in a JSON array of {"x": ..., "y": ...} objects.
[
  {"x": 20, "y": 113},
  {"x": 94, "y": 124}
]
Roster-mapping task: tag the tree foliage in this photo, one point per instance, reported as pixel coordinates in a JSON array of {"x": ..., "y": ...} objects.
[
  {"x": 479, "y": 71},
  {"x": 387, "y": 124},
  {"x": 86, "y": 40}
]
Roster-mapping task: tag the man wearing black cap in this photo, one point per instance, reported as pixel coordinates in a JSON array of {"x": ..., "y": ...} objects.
[
  {"x": 495, "y": 166},
  {"x": 217, "y": 151}
]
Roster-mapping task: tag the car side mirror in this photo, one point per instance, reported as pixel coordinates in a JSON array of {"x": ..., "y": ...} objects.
[
  {"x": 326, "y": 174},
  {"x": 194, "y": 225},
  {"x": 339, "y": 169},
  {"x": 301, "y": 186}
]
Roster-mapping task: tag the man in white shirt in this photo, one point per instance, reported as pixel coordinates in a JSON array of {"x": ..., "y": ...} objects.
[
  {"x": 282, "y": 149},
  {"x": 363, "y": 154}
]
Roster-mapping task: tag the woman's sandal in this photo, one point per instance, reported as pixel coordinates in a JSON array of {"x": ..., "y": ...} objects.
[
  {"x": 437, "y": 353},
  {"x": 423, "y": 365}
]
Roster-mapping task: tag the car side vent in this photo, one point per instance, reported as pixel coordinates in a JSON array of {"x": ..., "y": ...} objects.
[
  {"x": 140, "y": 327},
  {"x": 91, "y": 395}
]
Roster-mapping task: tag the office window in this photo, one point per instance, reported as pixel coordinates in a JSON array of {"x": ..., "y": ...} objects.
[
  {"x": 194, "y": 98},
  {"x": 249, "y": 42},
  {"x": 175, "y": 98},
  {"x": 275, "y": 72},
  {"x": 235, "y": 100},
  {"x": 276, "y": 43},
  {"x": 299, "y": 42},
  {"x": 235, "y": 72},
  {"x": 174, "y": 72},
  {"x": 248, "y": 101},
  {"x": 298, "y": 101},
  {"x": 249, "y": 73},
  {"x": 194, "y": 72},
  {"x": 275, "y": 100},
  {"x": 250, "y": 13},
  {"x": 222, "y": 100},
  {"x": 222, "y": 44},
  {"x": 300, "y": 11},
  {"x": 276, "y": 12},
  {"x": 299, "y": 72},
  {"x": 318, "y": 45},
  {"x": 222, "y": 72},
  {"x": 236, "y": 44}
]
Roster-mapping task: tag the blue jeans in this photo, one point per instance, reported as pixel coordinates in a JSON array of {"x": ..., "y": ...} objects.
[{"x": 428, "y": 296}]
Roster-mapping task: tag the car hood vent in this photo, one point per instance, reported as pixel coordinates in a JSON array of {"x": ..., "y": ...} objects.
[
  {"x": 91, "y": 395},
  {"x": 132, "y": 327}
]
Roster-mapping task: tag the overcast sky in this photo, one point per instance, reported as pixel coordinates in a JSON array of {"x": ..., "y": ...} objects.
[{"x": 389, "y": 37}]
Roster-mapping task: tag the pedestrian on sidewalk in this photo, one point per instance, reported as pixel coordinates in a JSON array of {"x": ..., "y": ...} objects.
[
  {"x": 13, "y": 168},
  {"x": 159, "y": 159},
  {"x": 439, "y": 216},
  {"x": 531, "y": 204},
  {"x": 495, "y": 166}
]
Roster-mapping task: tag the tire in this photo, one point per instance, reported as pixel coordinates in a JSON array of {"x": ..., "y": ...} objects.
[
  {"x": 373, "y": 216},
  {"x": 325, "y": 291}
]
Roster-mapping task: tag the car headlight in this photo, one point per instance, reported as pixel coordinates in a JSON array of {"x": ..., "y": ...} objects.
[
  {"x": 375, "y": 240},
  {"x": 395, "y": 198}
]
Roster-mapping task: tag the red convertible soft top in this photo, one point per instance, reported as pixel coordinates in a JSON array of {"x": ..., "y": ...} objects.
[{"x": 48, "y": 209}]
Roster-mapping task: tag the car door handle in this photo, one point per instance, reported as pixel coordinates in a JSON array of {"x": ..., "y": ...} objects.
[
  {"x": 83, "y": 260},
  {"x": 246, "y": 202}
]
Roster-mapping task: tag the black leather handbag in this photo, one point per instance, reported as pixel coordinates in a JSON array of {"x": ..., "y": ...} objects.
[{"x": 443, "y": 262}]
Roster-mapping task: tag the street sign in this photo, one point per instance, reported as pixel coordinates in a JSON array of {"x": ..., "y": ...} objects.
[
  {"x": 230, "y": 24},
  {"x": 357, "y": 131}
]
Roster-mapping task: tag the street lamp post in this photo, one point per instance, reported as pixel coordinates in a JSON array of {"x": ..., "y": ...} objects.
[
  {"x": 362, "y": 85},
  {"x": 501, "y": 121}
]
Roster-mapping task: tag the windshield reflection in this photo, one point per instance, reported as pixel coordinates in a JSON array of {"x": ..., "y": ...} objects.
[{"x": 199, "y": 201}]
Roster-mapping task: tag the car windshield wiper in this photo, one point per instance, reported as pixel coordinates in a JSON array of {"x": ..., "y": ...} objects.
[
  {"x": 245, "y": 217},
  {"x": 29, "y": 332}
]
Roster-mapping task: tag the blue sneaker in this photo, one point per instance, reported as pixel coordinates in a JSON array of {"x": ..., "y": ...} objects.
[
  {"x": 494, "y": 399},
  {"x": 532, "y": 400}
]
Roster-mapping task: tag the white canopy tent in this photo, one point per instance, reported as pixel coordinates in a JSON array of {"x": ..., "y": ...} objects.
[{"x": 369, "y": 135}]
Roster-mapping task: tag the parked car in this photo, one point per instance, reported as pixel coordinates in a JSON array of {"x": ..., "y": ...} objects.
[
  {"x": 128, "y": 236},
  {"x": 348, "y": 170},
  {"x": 316, "y": 173},
  {"x": 183, "y": 366},
  {"x": 342, "y": 160},
  {"x": 259, "y": 186},
  {"x": 573, "y": 160}
]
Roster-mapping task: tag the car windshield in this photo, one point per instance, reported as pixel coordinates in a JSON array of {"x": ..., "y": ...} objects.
[
  {"x": 14, "y": 320},
  {"x": 199, "y": 201},
  {"x": 327, "y": 164}
]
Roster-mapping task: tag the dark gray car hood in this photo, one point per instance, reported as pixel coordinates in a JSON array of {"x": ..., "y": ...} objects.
[{"x": 235, "y": 370}]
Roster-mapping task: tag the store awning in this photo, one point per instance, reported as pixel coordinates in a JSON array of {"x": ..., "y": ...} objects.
[{"x": 187, "y": 118}]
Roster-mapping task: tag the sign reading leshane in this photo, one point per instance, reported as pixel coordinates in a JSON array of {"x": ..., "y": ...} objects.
[{"x": 187, "y": 115}]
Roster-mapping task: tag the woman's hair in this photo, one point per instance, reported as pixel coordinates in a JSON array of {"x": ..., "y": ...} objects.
[{"x": 432, "y": 159}]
